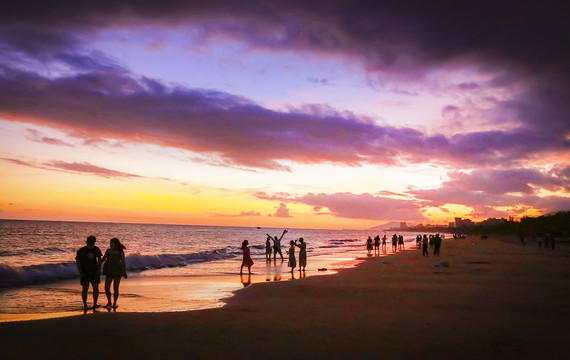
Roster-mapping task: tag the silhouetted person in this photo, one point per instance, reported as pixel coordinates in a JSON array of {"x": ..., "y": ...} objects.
[
  {"x": 277, "y": 245},
  {"x": 377, "y": 244},
  {"x": 425, "y": 246},
  {"x": 247, "y": 261},
  {"x": 302, "y": 245},
  {"x": 114, "y": 268},
  {"x": 292, "y": 261},
  {"x": 436, "y": 244},
  {"x": 522, "y": 241},
  {"x": 369, "y": 245},
  {"x": 394, "y": 243},
  {"x": 384, "y": 244},
  {"x": 400, "y": 242},
  {"x": 268, "y": 248},
  {"x": 87, "y": 261}
]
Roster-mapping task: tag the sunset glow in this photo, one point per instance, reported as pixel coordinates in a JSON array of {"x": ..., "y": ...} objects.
[{"x": 279, "y": 115}]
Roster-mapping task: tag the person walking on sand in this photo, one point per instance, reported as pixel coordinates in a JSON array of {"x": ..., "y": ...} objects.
[
  {"x": 114, "y": 268},
  {"x": 400, "y": 242},
  {"x": 302, "y": 245},
  {"x": 87, "y": 261},
  {"x": 277, "y": 245},
  {"x": 292, "y": 261},
  {"x": 247, "y": 261},
  {"x": 384, "y": 244},
  {"x": 268, "y": 249},
  {"x": 369, "y": 245},
  {"x": 394, "y": 243}
]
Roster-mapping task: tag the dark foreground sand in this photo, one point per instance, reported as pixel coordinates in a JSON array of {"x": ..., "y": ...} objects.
[{"x": 482, "y": 299}]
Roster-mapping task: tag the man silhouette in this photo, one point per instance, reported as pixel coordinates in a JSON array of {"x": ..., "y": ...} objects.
[{"x": 87, "y": 261}]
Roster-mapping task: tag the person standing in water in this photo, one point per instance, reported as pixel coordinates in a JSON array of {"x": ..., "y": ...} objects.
[
  {"x": 377, "y": 245},
  {"x": 292, "y": 261},
  {"x": 369, "y": 245},
  {"x": 268, "y": 249},
  {"x": 247, "y": 261},
  {"x": 302, "y": 245},
  {"x": 114, "y": 268},
  {"x": 87, "y": 261},
  {"x": 277, "y": 244}
]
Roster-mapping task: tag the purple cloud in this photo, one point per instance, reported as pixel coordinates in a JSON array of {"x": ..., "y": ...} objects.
[
  {"x": 364, "y": 206},
  {"x": 486, "y": 189}
]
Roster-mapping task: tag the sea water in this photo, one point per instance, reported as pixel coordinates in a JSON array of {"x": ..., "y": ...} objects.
[{"x": 171, "y": 267}]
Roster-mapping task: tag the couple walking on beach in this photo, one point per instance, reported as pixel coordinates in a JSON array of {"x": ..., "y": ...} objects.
[{"x": 89, "y": 261}]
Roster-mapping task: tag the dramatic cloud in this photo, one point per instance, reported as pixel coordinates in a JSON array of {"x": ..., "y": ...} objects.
[
  {"x": 495, "y": 181},
  {"x": 485, "y": 189},
  {"x": 118, "y": 105},
  {"x": 408, "y": 39}
]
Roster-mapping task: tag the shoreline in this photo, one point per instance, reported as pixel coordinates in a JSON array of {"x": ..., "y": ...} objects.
[
  {"x": 164, "y": 292},
  {"x": 487, "y": 298}
]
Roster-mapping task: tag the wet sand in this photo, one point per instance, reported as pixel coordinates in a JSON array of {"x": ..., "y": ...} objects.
[{"x": 487, "y": 298}]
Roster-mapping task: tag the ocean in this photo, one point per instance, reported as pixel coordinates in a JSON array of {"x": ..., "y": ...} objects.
[{"x": 170, "y": 267}]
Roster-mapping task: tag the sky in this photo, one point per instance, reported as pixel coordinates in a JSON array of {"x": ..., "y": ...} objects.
[{"x": 296, "y": 114}]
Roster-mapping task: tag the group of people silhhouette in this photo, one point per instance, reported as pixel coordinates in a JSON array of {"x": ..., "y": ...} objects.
[
  {"x": 397, "y": 244},
  {"x": 91, "y": 264},
  {"x": 433, "y": 241},
  {"x": 276, "y": 249}
]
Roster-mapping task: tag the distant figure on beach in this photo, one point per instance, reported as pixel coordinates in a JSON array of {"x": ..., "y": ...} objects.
[
  {"x": 436, "y": 244},
  {"x": 394, "y": 243},
  {"x": 114, "y": 268},
  {"x": 87, "y": 261},
  {"x": 369, "y": 245},
  {"x": 268, "y": 248},
  {"x": 292, "y": 261},
  {"x": 277, "y": 244},
  {"x": 523, "y": 243},
  {"x": 247, "y": 261},
  {"x": 400, "y": 242},
  {"x": 384, "y": 243},
  {"x": 377, "y": 245},
  {"x": 302, "y": 245},
  {"x": 425, "y": 246}
]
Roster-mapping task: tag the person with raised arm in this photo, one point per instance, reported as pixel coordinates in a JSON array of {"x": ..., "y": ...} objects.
[{"x": 277, "y": 244}]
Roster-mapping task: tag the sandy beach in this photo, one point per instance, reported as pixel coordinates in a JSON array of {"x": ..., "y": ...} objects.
[{"x": 482, "y": 298}]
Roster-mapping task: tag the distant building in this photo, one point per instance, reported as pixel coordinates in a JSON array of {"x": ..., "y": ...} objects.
[
  {"x": 459, "y": 222},
  {"x": 403, "y": 225},
  {"x": 493, "y": 221}
]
